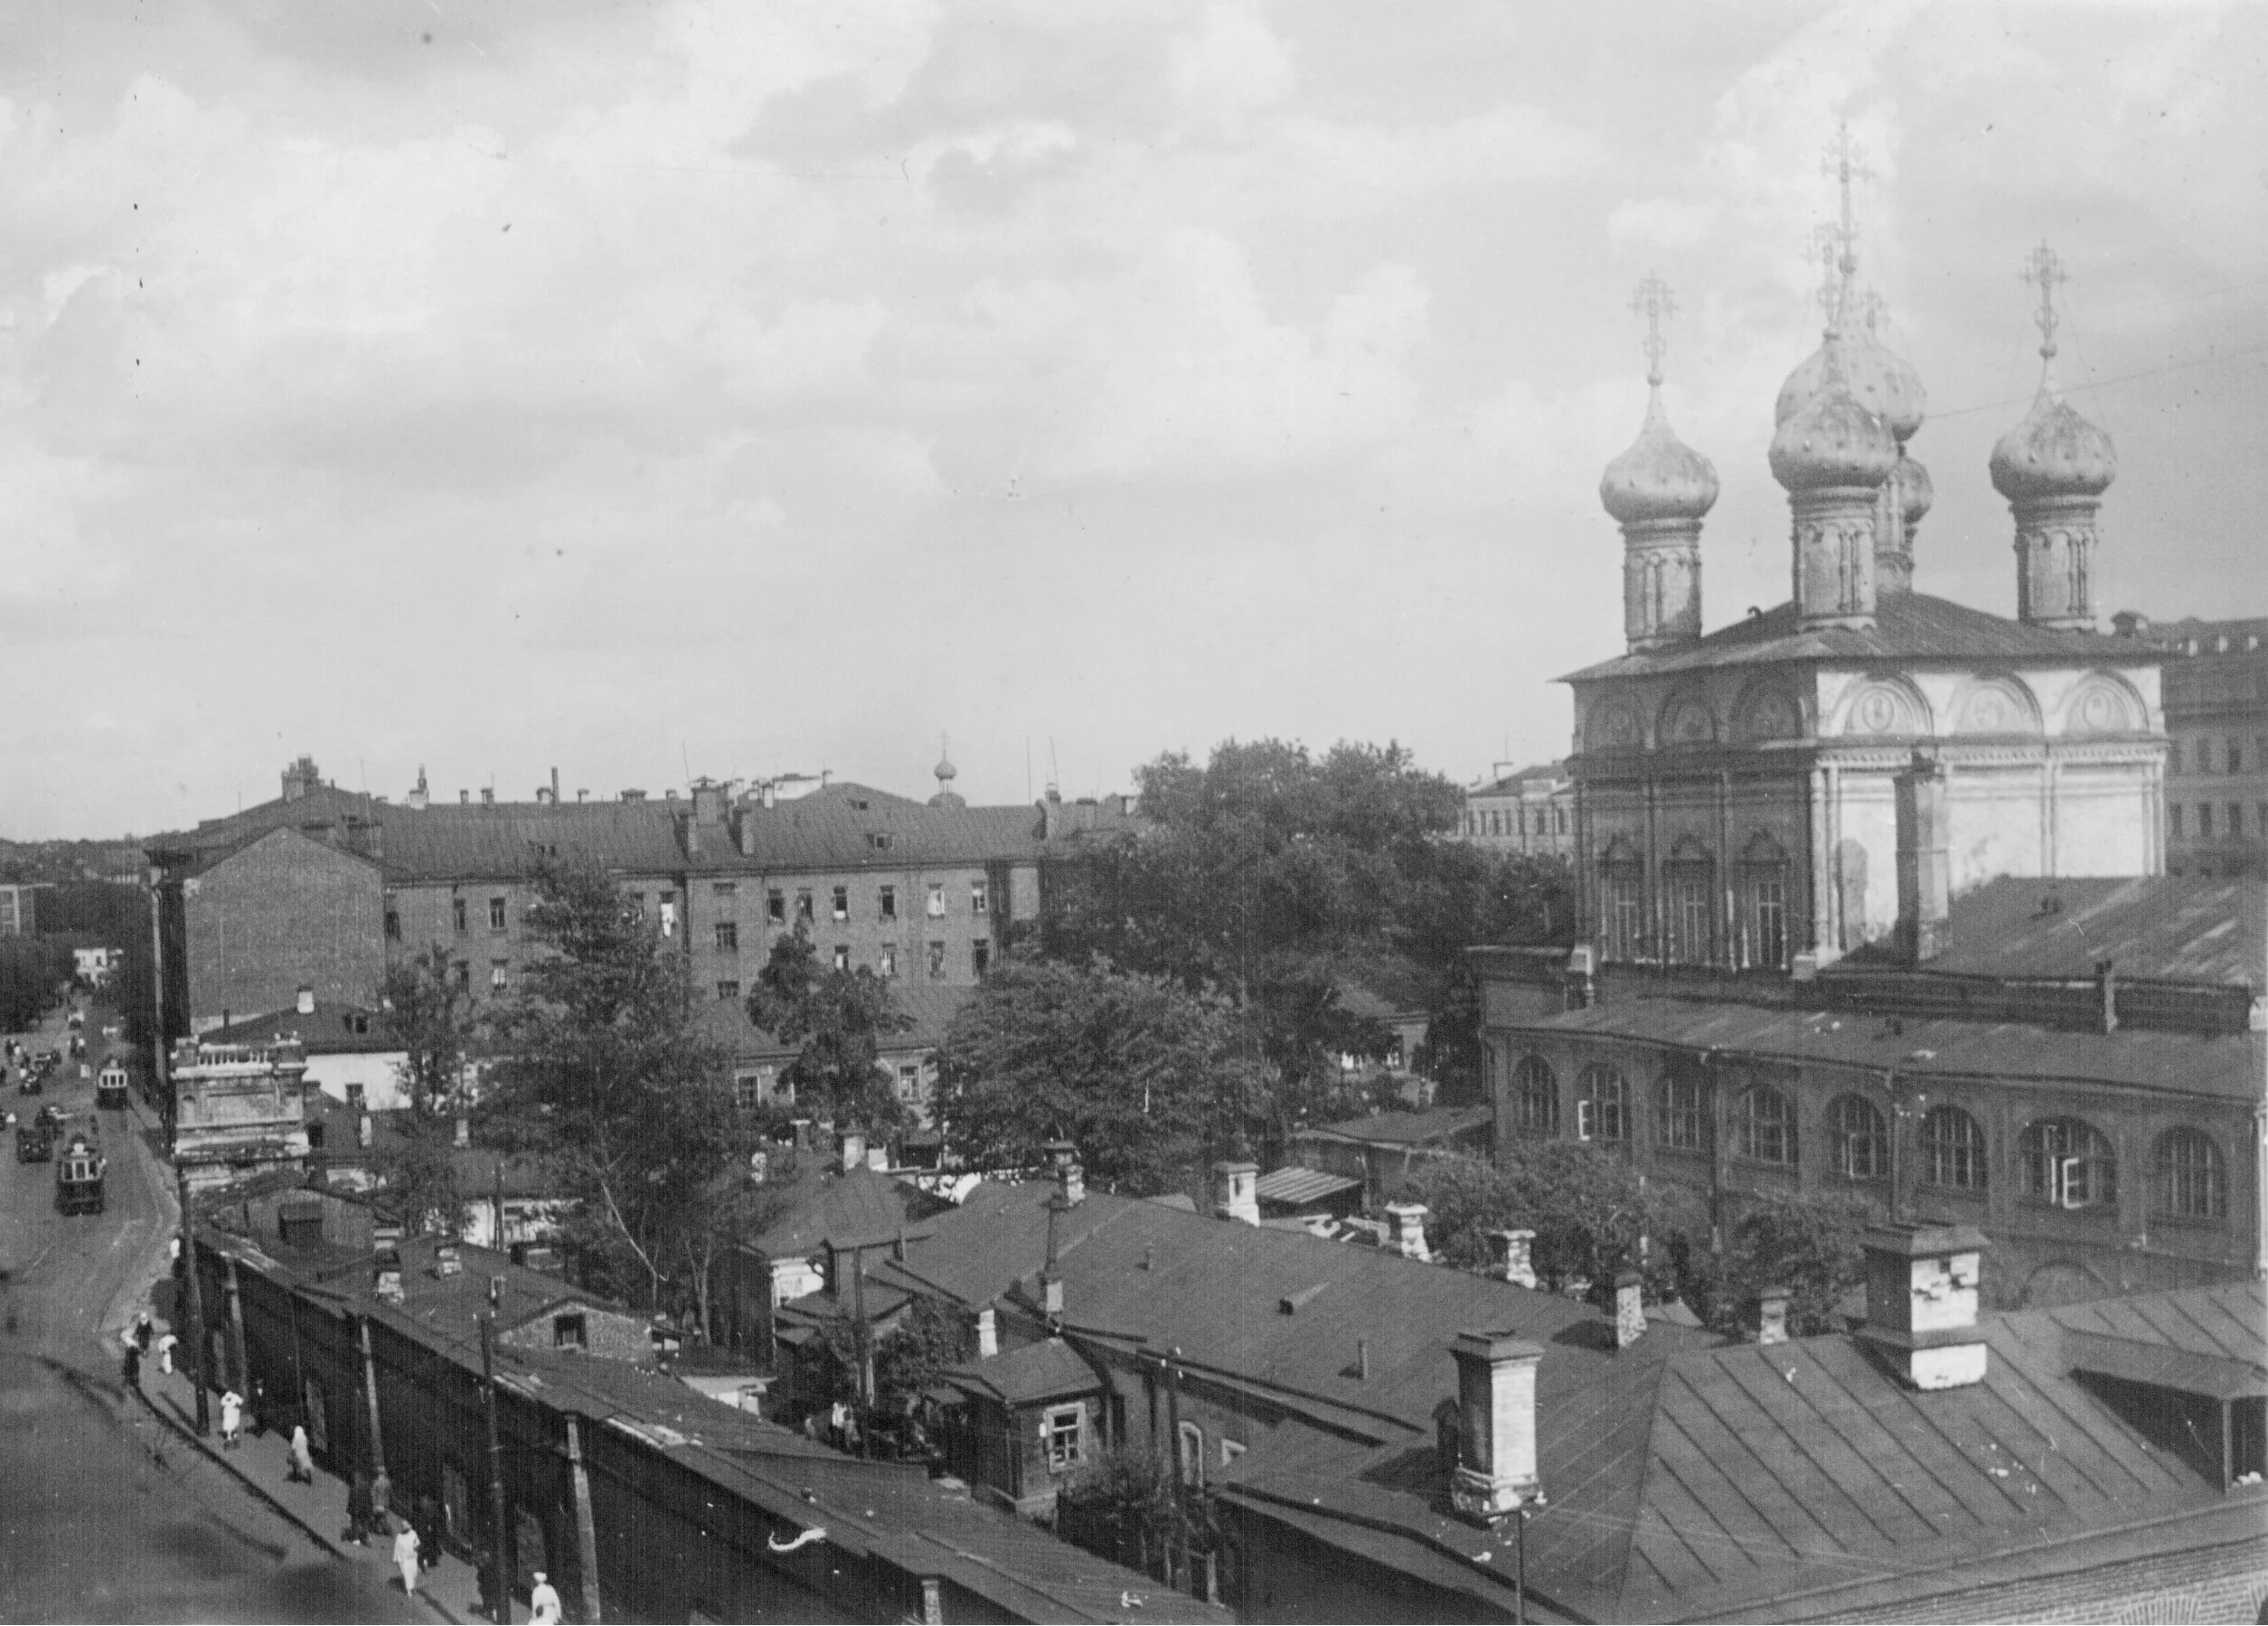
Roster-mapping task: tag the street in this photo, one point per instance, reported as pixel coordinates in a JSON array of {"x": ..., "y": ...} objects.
[{"x": 105, "y": 1513}]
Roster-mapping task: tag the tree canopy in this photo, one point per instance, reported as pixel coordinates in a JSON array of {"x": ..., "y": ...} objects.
[
  {"x": 1589, "y": 1210},
  {"x": 1143, "y": 1075},
  {"x": 1280, "y": 879},
  {"x": 603, "y": 1069},
  {"x": 424, "y": 1010},
  {"x": 837, "y": 1018}
]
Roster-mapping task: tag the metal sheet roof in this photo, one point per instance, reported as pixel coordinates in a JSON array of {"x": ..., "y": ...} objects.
[
  {"x": 1907, "y": 626},
  {"x": 1296, "y": 1186},
  {"x": 2225, "y": 1065}
]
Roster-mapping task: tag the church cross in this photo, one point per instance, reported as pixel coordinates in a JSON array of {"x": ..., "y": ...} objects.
[
  {"x": 1846, "y": 162},
  {"x": 1654, "y": 301},
  {"x": 2043, "y": 269}
]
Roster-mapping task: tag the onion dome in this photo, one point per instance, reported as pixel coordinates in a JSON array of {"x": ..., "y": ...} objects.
[
  {"x": 2053, "y": 453},
  {"x": 1915, "y": 493},
  {"x": 946, "y": 772},
  {"x": 1660, "y": 477},
  {"x": 1884, "y": 384},
  {"x": 1833, "y": 439}
]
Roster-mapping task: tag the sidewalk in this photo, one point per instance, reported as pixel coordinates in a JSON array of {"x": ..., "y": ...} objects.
[{"x": 448, "y": 1587}]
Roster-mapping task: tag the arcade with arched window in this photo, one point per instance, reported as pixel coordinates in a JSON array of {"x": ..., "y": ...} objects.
[
  {"x": 1622, "y": 901},
  {"x": 1764, "y": 903},
  {"x": 1681, "y": 1112},
  {"x": 1536, "y": 1096},
  {"x": 1764, "y": 1125},
  {"x": 2069, "y": 1163},
  {"x": 1602, "y": 1105},
  {"x": 1953, "y": 1150},
  {"x": 2192, "y": 1181},
  {"x": 1690, "y": 876},
  {"x": 1857, "y": 1145}
]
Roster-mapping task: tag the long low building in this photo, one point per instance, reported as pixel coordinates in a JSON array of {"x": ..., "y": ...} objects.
[
  {"x": 2079, "y": 1071},
  {"x": 643, "y": 1498}
]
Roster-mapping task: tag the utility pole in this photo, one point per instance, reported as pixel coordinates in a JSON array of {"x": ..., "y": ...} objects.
[
  {"x": 195, "y": 1298},
  {"x": 500, "y": 1577}
]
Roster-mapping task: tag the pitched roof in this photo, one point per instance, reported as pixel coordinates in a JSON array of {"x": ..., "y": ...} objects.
[
  {"x": 1714, "y": 1482},
  {"x": 329, "y": 1029},
  {"x": 1907, "y": 626},
  {"x": 2161, "y": 928},
  {"x": 857, "y": 1208},
  {"x": 1293, "y": 1186},
  {"x": 2225, "y": 1065},
  {"x": 1553, "y": 773},
  {"x": 1045, "y": 1370},
  {"x": 1218, "y": 1290},
  {"x": 1441, "y": 1123}
]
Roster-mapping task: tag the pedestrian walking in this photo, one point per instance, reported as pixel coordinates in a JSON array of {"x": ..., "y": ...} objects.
[
  {"x": 231, "y": 1419},
  {"x": 133, "y": 1362},
  {"x": 165, "y": 1354},
  {"x": 255, "y": 1414},
  {"x": 302, "y": 1459},
  {"x": 543, "y": 1602},
  {"x": 406, "y": 1558},
  {"x": 359, "y": 1509},
  {"x": 143, "y": 1332}
]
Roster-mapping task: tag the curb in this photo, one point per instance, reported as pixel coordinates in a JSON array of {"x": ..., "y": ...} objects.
[{"x": 290, "y": 1513}]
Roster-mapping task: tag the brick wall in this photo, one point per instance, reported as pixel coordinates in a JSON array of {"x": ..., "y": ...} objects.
[{"x": 287, "y": 910}]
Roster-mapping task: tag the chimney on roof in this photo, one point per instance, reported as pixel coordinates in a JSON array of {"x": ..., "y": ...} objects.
[
  {"x": 582, "y": 795},
  {"x": 463, "y": 1130},
  {"x": 555, "y": 787},
  {"x": 1409, "y": 1230},
  {"x": 2106, "y": 992},
  {"x": 305, "y": 1004},
  {"x": 488, "y": 795},
  {"x": 1925, "y": 867},
  {"x": 1513, "y": 1257},
  {"x": 1496, "y": 1424},
  {"x": 853, "y": 1149},
  {"x": 1922, "y": 1298},
  {"x": 1237, "y": 1191},
  {"x": 987, "y": 1333},
  {"x": 1630, "y": 1308},
  {"x": 301, "y": 779},
  {"x": 464, "y": 797},
  {"x": 419, "y": 798},
  {"x": 1771, "y": 1316},
  {"x": 1051, "y": 1299}
]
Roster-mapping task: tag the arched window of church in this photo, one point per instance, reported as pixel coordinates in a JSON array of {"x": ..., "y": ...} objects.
[
  {"x": 1622, "y": 901},
  {"x": 2192, "y": 1181},
  {"x": 1857, "y": 1149},
  {"x": 2069, "y": 1163},
  {"x": 1681, "y": 1112},
  {"x": 1602, "y": 1105},
  {"x": 1764, "y": 1126},
  {"x": 1692, "y": 882},
  {"x": 1763, "y": 885},
  {"x": 1952, "y": 1150},
  {"x": 1536, "y": 1096}
]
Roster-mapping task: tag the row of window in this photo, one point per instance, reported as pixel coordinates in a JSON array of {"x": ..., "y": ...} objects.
[
  {"x": 2196, "y": 755},
  {"x": 774, "y": 908},
  {"x": 764, "y": 1087},
  {"x": 1687, "y": 932},
  {"x": 1516, "y": 821},
  {"x": 2231, "y": 820},
  {"x": 2064, "y": 1161},
  {"x": 886, "y": 964}
]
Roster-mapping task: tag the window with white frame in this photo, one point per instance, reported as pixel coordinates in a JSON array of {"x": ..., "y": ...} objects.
[
  {"x": 1191, "y": 1444},
  {"x": 937, "y": 899},
  {"x": 1065, "y": 1431},
  {"x": 977, "y": 904}
]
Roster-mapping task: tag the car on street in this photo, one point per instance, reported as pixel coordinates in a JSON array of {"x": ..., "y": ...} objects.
[{"x": 32, "y": 1143}]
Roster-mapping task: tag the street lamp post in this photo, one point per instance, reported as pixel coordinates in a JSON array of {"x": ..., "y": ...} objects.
[
  {"x": 499, "y": 1577},
  {"x": 195, "y": 1296}
]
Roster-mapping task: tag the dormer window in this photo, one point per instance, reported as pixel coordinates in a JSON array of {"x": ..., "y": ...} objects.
[{"x": 569, "y": 1332}]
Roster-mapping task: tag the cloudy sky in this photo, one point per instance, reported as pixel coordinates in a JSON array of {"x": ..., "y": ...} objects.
[{"x": 752, "y": 388}]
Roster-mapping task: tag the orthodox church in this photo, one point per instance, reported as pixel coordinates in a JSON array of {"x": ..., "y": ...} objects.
[{"x": 1828, "y": 773}]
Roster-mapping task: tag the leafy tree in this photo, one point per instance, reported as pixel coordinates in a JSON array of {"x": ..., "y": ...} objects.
[
  {"x": 1812, "y": 1246},
  {"x": 838, "y": 1018},
  {"x": 605, "y": 1074},
  {"x": 1143, "y": 1073},
  {"x": 933, "y": 1336},
  {"x": 1123, "y": 1503},
  {"x": 1277, "y": 878},
  {"x": 31, "y": 970},
  {"x": 424, "y": 1010},
  {"x": 1589, "y": 1210}
]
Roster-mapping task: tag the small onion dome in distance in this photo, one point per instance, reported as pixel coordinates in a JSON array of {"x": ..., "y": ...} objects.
[
  {"x": 1915, "y": 492},
  {"x": 946, "y": 772},
  {"x": 1660, "y": 477},
  {"x": 2053, "y": 453},
  {"x": 1834, "y": 439},
  {"x": 1885, "y": 384}
]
